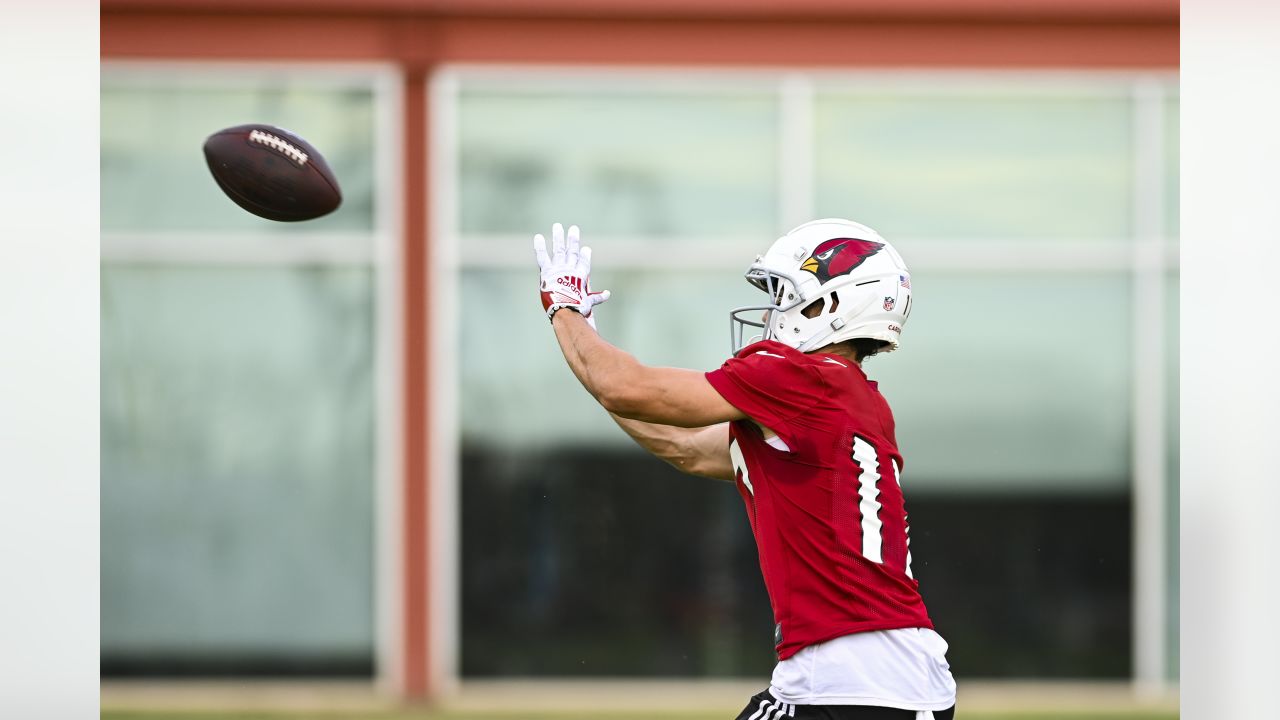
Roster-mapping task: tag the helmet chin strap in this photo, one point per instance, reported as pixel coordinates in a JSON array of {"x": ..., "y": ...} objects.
[{"x": 814, "y": 342}]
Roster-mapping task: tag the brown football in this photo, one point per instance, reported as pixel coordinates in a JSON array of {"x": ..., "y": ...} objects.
[{"x": 272, "y": 173}]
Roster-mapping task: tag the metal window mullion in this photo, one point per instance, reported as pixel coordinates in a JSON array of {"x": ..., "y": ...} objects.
[
  {"x": 796, "y": 198},
  {"x": 388, "y": 381},
  {"x": 444, "y": 574},
  {"x": 1148, "y": 454},
  {"x": 239, "y": 248},
  {"x": 991, "y": 255}
]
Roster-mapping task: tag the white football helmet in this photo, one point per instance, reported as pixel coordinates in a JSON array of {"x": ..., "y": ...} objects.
[{"x": 860, "y": 281}]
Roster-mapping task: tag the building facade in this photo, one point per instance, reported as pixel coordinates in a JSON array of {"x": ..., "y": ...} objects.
[{"x": 317, "y": 446}]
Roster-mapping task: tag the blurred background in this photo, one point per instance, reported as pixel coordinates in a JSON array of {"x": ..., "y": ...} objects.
[{"x": 321, "y": 449}]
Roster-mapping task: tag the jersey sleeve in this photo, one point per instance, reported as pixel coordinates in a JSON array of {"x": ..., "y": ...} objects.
[{"x": 770, "y": 383}]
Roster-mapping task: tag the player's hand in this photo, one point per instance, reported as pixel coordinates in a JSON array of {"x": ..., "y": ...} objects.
[{"x": 565, "y": 274}]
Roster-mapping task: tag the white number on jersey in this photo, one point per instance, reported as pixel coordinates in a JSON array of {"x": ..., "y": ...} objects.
[
  {"x": 740, "y": 465},
  {"x": 868, "y": 481},
  {"x": 864, "y": 454}
]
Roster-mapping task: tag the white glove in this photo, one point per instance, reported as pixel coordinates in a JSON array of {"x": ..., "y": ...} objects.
[{"x": 566, "y": 274}]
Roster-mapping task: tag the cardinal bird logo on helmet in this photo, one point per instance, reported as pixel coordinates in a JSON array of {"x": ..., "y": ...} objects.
[{"x": 839, "y": 256}]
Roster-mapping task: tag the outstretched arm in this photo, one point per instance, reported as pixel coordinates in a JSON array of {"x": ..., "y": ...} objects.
[
  {"x": 697, "y": 451},
  {"x": 625, "y": 387},
  {"x": 673, "y": 413}
]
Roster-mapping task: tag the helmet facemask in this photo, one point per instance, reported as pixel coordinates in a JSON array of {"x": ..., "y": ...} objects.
[{"x": 781, "y": 288}]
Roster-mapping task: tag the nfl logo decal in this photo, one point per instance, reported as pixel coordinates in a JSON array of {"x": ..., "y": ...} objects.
[{"x": 889, "y": 303}]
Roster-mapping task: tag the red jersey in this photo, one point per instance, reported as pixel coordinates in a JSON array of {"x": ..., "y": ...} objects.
[{"x": 827, "y": 512}]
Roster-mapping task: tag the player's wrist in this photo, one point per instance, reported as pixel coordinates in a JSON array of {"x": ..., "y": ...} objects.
[
  {"x": 551, "y": 314},
  {"x": 551, "y": 311}
]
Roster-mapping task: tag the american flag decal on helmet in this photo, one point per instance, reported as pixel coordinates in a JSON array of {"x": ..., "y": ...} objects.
[{"x": 904, "y": 281}]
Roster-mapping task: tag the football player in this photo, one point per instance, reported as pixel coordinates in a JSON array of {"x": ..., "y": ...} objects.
[{"x": 794, "y": 423}]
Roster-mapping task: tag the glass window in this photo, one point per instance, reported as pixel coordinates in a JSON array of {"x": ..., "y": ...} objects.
[
  {"x": 954, "y": 166},
  {"x": 154, "y": 176},
  {"x": 237, "y": 447},
  {"x": 238, "y": 398},
  {"x": 1012, "y": 390},
  {"x": 583, "y": 561},
  {"x": 1018, "y": 381},
  {"x": 625, "y": 163}
]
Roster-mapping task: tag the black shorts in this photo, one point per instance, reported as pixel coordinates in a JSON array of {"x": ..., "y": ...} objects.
[{"x": 764, "y": 706}]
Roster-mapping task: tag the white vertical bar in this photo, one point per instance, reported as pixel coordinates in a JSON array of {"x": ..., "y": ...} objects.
[
  {"x": 869, "y": 507},
  {"x": 795, "y": 150},
  {"x": 388, "y": 420},
  {"x": 1149, "y": 559},
  {"x": 1229, "y": 455},
  {"x": 444, "y": 445}
]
